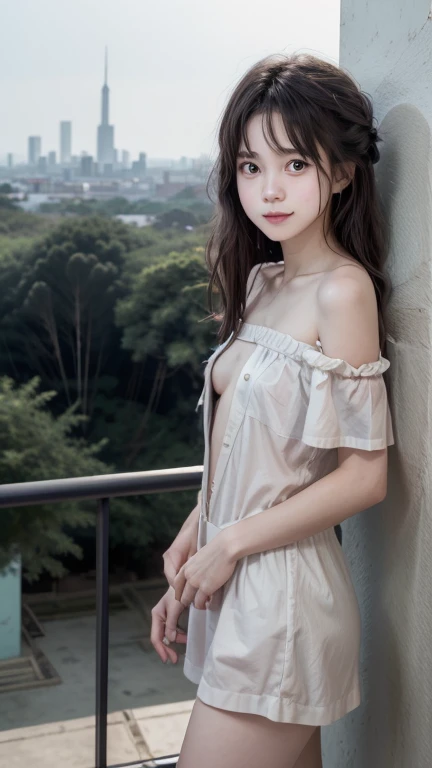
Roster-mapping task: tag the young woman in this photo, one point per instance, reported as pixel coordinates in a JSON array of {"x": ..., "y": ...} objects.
[{"x": 296, "y": 422}]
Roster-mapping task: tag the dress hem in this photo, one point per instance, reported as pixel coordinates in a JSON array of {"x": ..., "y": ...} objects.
[{"x": 279, "y": 709}]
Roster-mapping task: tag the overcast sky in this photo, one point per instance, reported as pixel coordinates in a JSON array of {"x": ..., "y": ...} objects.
[{"x": 172, "y": 66}]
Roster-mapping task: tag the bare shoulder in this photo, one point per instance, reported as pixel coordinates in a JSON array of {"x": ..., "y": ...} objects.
[
  {"x": 345, "y": 283},
  {"x": 348, "y": 315}
]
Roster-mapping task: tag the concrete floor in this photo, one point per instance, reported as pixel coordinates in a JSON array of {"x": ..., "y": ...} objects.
[
  {"x": 137, "y": 678},
  {"x": 134, "y": 735}
]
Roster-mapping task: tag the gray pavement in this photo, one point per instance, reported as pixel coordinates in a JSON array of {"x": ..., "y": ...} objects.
[{"x": 137, "y": 678}]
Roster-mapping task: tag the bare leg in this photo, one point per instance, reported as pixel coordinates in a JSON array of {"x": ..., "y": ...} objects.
[
  {"x": 216, "y": 737},
  {"x": 311, "y": 755}
]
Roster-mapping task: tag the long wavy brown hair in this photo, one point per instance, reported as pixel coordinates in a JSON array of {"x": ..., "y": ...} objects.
[{"x": 319, "y": 104}]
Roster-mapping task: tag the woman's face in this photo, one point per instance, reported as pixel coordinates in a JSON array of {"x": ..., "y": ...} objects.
[{"x": 287, "y": 183}]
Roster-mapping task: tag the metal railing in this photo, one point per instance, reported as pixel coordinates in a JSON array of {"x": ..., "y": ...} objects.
[{"x": 103, "y": 488}]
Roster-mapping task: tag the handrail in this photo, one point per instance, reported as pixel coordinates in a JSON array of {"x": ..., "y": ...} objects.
[
  {"x": 99, "y": 486},
  {"x": 102, "y": 488}
]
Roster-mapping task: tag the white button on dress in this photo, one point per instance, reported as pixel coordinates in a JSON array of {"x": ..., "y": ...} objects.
[{"x": 282, "y": 637}]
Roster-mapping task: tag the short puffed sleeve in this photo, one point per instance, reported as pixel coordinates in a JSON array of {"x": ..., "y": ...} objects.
[{"x": 347, "y": 406}]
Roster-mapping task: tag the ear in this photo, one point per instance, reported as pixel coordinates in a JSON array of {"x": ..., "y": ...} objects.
[{"x": 344, "y": 174}]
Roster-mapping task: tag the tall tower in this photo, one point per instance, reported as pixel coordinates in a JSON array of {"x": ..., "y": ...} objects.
[
  {"x": 65, "y": 142},
  {"x": 105, "y": 131}
]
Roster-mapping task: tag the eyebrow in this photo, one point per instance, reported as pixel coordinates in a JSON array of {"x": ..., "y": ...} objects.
[{"x": 255, "y": 155}]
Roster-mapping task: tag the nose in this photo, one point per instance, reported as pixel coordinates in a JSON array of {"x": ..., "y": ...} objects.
[{"x": 272, "y": 190}]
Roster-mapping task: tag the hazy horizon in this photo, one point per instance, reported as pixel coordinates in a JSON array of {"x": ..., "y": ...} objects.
[{"x": 171, "y": 67}]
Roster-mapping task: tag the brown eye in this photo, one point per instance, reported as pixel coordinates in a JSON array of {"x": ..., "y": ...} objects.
[
  {"x": 243, "y": 165},
  {"x": 302, "y": 162}
]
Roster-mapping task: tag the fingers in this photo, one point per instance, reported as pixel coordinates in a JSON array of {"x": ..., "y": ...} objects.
[
  {"x": 175, "y": 635},
  {"x": 188, "y": 595},
  {"x": 172, "y": 631},
  {"x": 157, "y": 632},
  {"x": 166, "y": 612},
  {"x": 201, "y": 600},
  {"x": 194, "y": 596},
  {"x": 179, "y": 586}
]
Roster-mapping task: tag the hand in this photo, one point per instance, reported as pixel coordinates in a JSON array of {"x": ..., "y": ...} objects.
[
  {"x": 204, "y": 572},
  {"x": 164, "y": 623},
  {"x": 183, "y": 547}
]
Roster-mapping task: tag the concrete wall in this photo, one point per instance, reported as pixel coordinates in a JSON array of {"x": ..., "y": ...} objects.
[
  {"x": 10, "y": 610},
  {"x": 387, "y": 46}
]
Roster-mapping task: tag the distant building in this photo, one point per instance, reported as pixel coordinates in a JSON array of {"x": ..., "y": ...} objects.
[
  {"x": 42, "y": 164},
  {"x": 142, "y": 160},
  {"x": 105, "y": 131},
  {"x": 125, "y": 159},
  {"x": 10, "y": 160},
  {"x": 52, "y": 159},
  {"x": 136, "y": 219},
  {"x": 34, "y": 149},
  {"x": 139, "y": 167},
  {"x": 65, "y": 142},
  {"x": 86, "y": 166}
]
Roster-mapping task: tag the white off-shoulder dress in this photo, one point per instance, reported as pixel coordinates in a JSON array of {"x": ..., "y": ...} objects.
[{"x": 282, "y": 637}]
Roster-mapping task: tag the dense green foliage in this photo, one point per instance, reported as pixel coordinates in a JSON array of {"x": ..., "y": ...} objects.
[
  {"x": 36, "y": 446},
  {"x": 109, "y": 317}
]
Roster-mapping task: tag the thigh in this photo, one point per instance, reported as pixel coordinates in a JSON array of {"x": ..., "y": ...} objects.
[
  {"x": 311, "y": 755},
  {"x": 216, "y": 737}
]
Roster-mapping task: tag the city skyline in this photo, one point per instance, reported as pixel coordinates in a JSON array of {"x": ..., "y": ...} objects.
[
  {"x": 106, "y": 152},
  {"x": 171, "y": 68}
]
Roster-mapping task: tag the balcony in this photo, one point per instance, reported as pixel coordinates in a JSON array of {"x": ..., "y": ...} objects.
[{"x": 135, "y": 736}]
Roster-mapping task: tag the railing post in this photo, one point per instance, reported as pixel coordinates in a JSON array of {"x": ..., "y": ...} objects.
[{"x": 102, "y": 630}]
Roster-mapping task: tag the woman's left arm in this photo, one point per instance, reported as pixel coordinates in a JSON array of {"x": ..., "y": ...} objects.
[
  {"x": 326, "y": 502},
  {"x": 323, "y": 504}
]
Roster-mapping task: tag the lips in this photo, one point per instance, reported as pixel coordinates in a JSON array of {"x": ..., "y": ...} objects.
[{"x": 275, "y": 218}]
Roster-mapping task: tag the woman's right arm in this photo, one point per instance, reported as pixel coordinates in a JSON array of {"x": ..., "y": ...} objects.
[
  {"x": 184, "y": 544},
  {"x": 191, "y": 521}
]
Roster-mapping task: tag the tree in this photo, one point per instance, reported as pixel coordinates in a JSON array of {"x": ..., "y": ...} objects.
[
  {"x": 37, "y": 446},
  {"x": 160, "y": 322},
  {"x": 65, "y": 305},
  {"x": 177, "y": 217}
]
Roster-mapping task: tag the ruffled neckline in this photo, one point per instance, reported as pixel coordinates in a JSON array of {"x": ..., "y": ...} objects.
[{"x": 301, "y": 351}]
